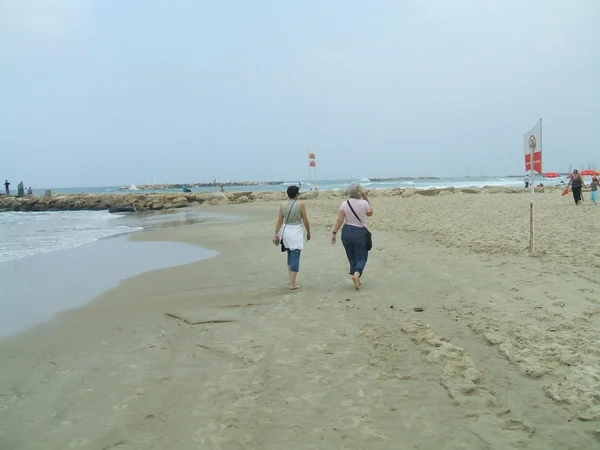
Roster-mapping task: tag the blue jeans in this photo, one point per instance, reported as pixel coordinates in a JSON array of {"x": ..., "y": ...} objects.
[
  {"x": 293, "y": 260},
  {"x": 594, "y": 197},
  {"x": 355, "y": 244}
]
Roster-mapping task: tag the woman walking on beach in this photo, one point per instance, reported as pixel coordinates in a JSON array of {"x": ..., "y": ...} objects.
[
  {"x": 292, "y": 214},
  {"x": 353, "y": 215},
  {"x": 576, "y": 183}
]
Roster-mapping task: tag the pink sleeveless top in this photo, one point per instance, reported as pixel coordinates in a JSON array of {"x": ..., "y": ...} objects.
[{"x": 360, "y": 208}]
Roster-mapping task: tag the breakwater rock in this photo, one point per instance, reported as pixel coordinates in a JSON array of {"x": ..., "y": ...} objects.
[
  {"x": 101, "y": 202},
  {"x": 159, "y": 201},
  {"x": 403, "y": 179},
  {"x": 158, "y": 187}
]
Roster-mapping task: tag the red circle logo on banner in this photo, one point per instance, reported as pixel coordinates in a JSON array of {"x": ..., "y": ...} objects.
[{"x": 532, "y": 142}]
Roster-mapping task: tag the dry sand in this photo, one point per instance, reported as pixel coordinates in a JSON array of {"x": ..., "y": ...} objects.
[{"x": 505, "y": 353}]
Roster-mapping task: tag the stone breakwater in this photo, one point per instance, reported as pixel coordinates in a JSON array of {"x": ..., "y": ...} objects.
[
  {"x": 404, "y": 179},
  {"x": 156, "y": 202},
  {"x": 158, "y": 187},
  {"x": 101, "y": 202}
]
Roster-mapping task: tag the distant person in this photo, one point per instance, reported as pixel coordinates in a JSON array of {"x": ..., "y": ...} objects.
[
  {"x": 576, "y": 184},
  {"x": 527, "y": 181},
  {"x": 29, "y": 191},
  {"x": 7, "y": 187},
  {"x": 222, "y": 189},
  {"x": 353, "y": 215},
  {"x": 594, "y": 190},
  {"x": 292, "y": 214}
]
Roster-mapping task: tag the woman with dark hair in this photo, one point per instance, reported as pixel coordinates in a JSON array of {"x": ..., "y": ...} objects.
[
  {"x": 292, "y": 215},
  {"x": 576, "y": 183},
  {"x": 353, "y": 215}
]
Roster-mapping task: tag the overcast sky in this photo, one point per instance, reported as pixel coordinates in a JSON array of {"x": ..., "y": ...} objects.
[{"x": 110, "y": 92}]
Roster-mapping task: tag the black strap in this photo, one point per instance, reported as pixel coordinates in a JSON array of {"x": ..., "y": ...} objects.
[{"x": 356, "y": 215}]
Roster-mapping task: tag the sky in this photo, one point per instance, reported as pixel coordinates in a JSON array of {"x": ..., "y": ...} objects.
[{"x": 113, "y": 92}]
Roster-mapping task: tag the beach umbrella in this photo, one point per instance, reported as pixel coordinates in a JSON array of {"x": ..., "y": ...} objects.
[
  {"x": 587, "y": 172},
  {"x": 552, "y": 175}
]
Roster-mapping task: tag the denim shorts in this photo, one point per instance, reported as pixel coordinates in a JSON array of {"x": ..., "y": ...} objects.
[{"x": 293, "y": 260}]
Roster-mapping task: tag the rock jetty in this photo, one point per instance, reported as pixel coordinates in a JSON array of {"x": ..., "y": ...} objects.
[
  {"x": 157, "y": 187},
  {"x": 102, "y": 202},
  {"x": 160, "y": 201},
  {"x": 403, "y": 179}
]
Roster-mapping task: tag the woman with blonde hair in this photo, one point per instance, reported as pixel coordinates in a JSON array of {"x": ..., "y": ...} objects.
[
  {"x": 355, "y": 235},
  {"x": 292, "y": 215}
]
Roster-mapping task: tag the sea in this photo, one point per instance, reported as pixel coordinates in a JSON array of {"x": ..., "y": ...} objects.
[{"x": 28, "y": 233}]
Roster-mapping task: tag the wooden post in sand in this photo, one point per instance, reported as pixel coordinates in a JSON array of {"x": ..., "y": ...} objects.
[
  {"x": 533, "y": 151},
  {"x": 531, "y": 212}
]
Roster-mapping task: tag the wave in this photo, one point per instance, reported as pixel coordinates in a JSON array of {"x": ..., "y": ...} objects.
[{"x": 29, "y": 233}]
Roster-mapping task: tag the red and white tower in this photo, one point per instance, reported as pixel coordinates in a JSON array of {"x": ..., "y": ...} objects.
[{"x": 312, "y": 171}]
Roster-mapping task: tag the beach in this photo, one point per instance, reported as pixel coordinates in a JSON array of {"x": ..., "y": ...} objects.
[{"x": 458, "y": 339}]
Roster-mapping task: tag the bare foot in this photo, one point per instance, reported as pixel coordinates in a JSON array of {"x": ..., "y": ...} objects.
[
  {"x": 356, "y": 281},
  {"x": 294, "y": 287}
]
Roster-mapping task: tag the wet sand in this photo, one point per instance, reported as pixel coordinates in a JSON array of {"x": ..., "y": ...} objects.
[
  {"x": 219, "y": 354},
  {"x": 36, "y": 287}
]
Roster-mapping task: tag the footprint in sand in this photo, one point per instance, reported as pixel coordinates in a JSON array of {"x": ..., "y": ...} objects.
[{"x": 78, "y": 443}]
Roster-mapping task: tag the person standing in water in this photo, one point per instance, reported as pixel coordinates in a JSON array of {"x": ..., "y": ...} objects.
[
  {"x": 292, "y": 215},
  {"x": 7, "y": 187},
  {"x": 576, "y": 183}
]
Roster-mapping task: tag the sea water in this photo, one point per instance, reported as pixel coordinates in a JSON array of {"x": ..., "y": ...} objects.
[
  {"x": 444, "y": 182},
  {"x": 52, "y": 261},
  {"x": 29, "y": 233}
]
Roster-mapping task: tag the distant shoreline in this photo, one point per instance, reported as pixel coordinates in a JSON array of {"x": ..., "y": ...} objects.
[
  {"x": 403, "y": 179},
  {"x": 162, "y": 186}
]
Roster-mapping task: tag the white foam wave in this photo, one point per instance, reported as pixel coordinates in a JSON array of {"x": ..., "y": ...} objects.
[{"x": 29, "y": 233}]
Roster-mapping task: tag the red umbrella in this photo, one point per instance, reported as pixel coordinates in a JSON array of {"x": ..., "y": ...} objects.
[
  {"x": 552, "y": 175},
  {"x": 587, "y": 172}
]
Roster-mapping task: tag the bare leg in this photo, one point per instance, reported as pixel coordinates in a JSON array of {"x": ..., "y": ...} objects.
[
  {"x": 356, "y": 280},
  {"x": 293, "y": 285}
]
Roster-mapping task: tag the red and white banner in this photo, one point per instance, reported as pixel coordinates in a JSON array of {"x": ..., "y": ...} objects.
[{"x": 533, "y": 148}]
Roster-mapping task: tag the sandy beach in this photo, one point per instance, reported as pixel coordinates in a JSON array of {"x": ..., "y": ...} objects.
[{"x": 458, "y": 338}]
